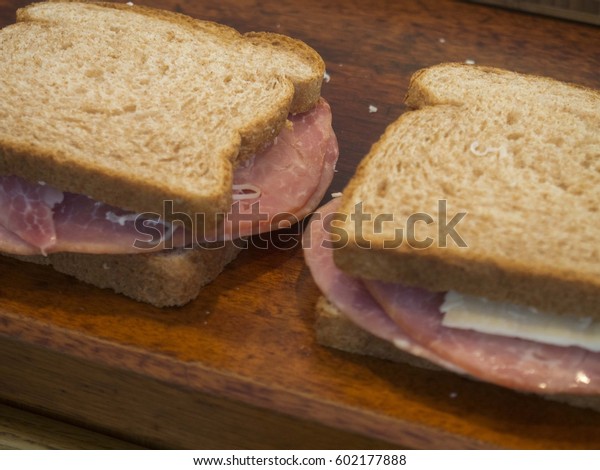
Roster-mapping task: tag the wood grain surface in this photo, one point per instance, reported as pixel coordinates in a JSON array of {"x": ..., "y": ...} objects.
[
  {"x": 239, "y": 367},
  {"x": 21, "y": 429}
]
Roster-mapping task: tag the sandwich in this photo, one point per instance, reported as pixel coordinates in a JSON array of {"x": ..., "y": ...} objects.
[
  {"x": 139, "y": 148},
  {"x": 469, "y": 237}
]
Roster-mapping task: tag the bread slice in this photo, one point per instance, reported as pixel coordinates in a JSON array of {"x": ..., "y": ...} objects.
[
  {"x": 519, "y": 157},
  {"x": 163, "y": 279},
  {"x": 135, "y": 106},
  {"x": 334, "y": 330}
]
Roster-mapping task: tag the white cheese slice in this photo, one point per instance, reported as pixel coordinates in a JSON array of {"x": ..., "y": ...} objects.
[{"x": 504, "y": 319}]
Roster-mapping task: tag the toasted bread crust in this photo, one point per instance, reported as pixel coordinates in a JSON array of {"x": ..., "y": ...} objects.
[{"x": 507, "y": 282}]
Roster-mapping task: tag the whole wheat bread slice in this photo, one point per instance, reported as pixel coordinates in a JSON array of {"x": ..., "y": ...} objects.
[
  {"x": 164, "y": 279},
  {"x": 134, "y": 106},
  {"x": 334, "y": 330},
  {"x": 520, "y": 156}
]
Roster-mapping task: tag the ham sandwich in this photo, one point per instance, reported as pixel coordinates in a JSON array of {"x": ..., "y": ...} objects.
[
  {"x": 137, "y": 146},
  {"x": 411, "y": 319},
  {"x": 468, "y": 237}
]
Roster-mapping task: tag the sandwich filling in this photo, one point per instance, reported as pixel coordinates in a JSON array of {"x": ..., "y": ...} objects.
[
  {"x": 278, "y": 186},
  {"x": 506, "y": 319},
  {"x": 412, "y": 319}
]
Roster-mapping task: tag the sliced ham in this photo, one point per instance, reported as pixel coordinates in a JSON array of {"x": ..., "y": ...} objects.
[
  {"x": 38, "y": 219},
  {"x": 27, "y": 212},
  {"x": 292, "y": 175},
  {"x": 12, "y": 243},
  {"x": 83, "y": 224},
  {"x": 411, "y": 319},
  {"x": 510, "y": 362}
]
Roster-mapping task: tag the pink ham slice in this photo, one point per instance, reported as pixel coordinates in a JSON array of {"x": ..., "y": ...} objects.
[
  {"x": 43, "y": 220},
  {"x": 348, "y": 294},
  {"x": 292, "y": 174},
  {"x": 27, "y": 212},
  {"x": 83, "y": 225},
  {"x": 11, "y": 243},
  {"x": 411, "y": 319},
  {"x": 510, "y": 362}
]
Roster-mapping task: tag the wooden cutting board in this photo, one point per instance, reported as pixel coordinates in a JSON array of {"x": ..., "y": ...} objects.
[{"x": 239, "y": 367}]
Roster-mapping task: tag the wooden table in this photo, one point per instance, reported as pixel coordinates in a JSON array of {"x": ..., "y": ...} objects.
[{"x": 239, "y": 367}]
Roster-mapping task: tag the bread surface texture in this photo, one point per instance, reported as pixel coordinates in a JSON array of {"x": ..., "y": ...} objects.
[
  {"x": 135, "y": 106},
  {"x": 165, "y": 279},
  {"x": 511, "y": 163}
]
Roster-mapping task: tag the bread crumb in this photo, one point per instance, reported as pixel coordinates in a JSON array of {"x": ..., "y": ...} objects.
[
  {"x": 326, "y": 77},
  {"x": 336, "y": 195},
  {"x": 105, "y": 266},
  {"x": 372, "y": 109},
  {"x": 453, "y": 394},
  {"x": 469, "y": 62},
  {"x": 442, "y": 40}
]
